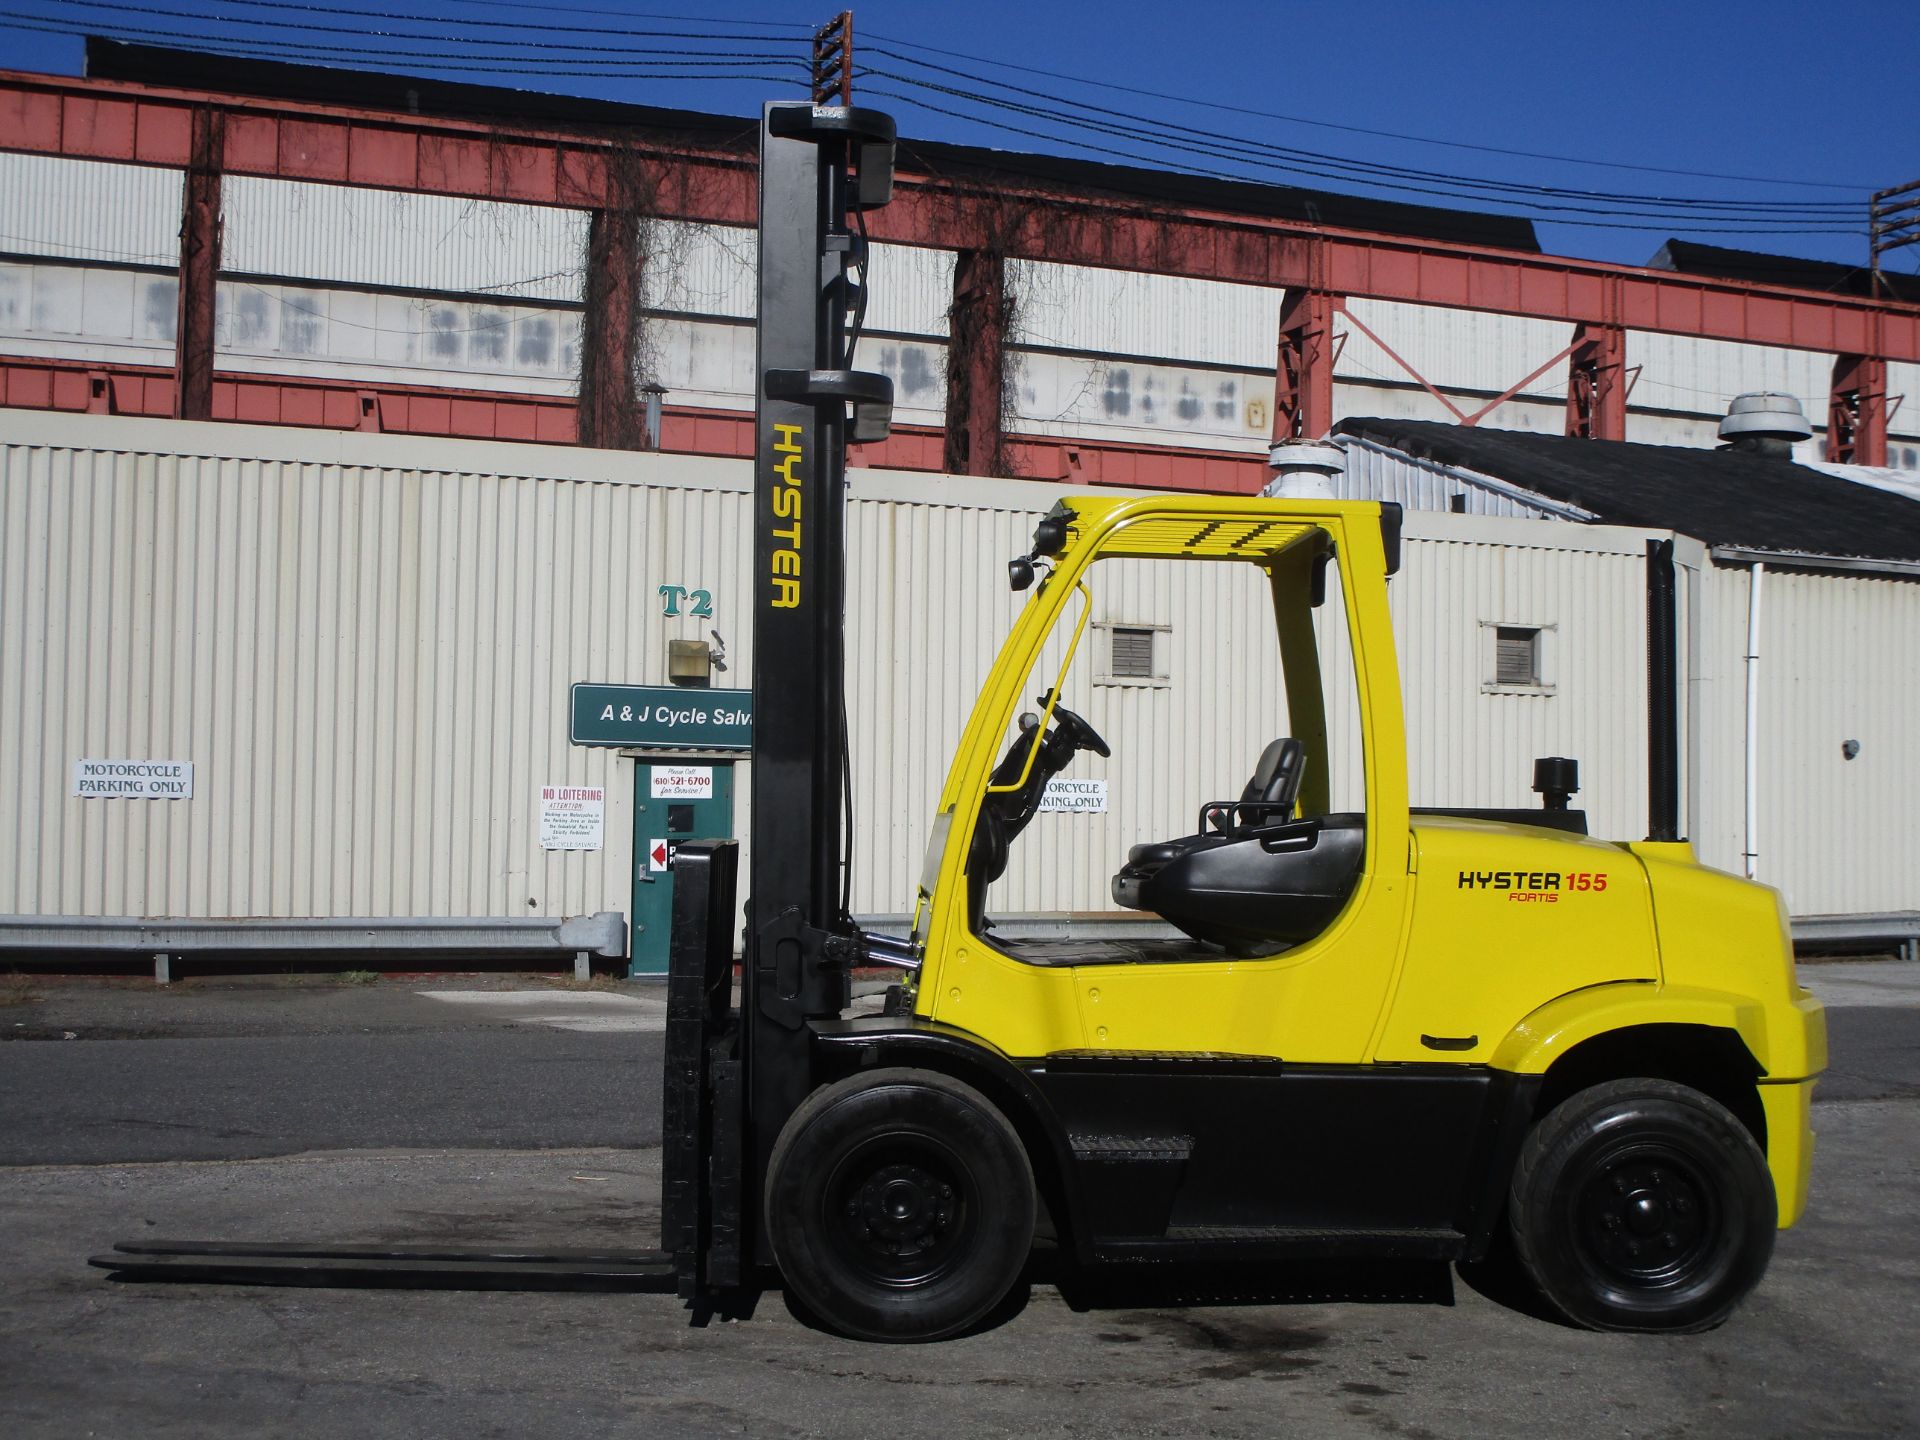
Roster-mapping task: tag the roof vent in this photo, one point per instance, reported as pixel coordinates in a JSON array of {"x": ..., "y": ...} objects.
[
  {"x": 1764, "y": 423},
  {"x": 1305, "y": 470}
]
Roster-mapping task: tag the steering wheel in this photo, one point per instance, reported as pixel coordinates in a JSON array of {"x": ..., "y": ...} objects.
[{"x": 1076, "y": 731}]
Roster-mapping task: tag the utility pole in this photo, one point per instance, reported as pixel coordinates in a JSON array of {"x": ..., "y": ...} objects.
[
  {"x": 833, "y": 61},
  {"x": 1895, "y": 212}
]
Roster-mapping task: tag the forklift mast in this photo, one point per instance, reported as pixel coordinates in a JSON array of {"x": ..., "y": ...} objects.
[{"x": 735, "y": 1076}]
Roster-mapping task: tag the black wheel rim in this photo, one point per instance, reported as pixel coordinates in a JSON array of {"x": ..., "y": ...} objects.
[
  {"x": 899, "y": 1211},
  {"x": 1646, "y": 1218}
]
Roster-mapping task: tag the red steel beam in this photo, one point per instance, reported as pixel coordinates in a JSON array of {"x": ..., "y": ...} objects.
[
  {"x": 120, "y": 121},
  {"x": 977, "y": 364},
  {"x": 1597, "y": 383},
  {"x": 1857, "y": 411},
  {"x": 193, "y": 338},
  {"x": 1303, "y": 370},
  {"x": 610, "y": 410}
]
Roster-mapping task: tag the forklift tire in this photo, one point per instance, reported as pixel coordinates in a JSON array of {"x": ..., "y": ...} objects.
[
  {"x": 1642, "y": 1205},
  {"x": 900, "y": 1204}
]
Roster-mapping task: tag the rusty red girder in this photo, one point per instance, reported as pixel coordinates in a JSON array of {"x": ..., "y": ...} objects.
[
  {"x": 1303, "y": 370},
  {"x": 1857, "y": 411},
  {"x": 610, "y": 409},
  {"x": 193, "y": 337},
  {"x": 122, "y": 121},
  {"x": 1597, "y": 383},
  {"x": 976, "y": 364}
]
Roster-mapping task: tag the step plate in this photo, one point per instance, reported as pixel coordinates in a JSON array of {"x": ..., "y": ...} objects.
[
  {"x": 1220, "y": 1242},
  {"x": 401, "y": 1267}
]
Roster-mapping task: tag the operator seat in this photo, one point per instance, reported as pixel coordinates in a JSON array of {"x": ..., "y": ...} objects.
[
  {"x": 1269, "y": 794},
  {"x": 1259, "y": 881}
]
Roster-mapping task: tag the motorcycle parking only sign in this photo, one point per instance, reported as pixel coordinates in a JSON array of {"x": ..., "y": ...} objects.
[
  {"x": 133, "y": 779},
  {"x": 1074, "y": 797}
]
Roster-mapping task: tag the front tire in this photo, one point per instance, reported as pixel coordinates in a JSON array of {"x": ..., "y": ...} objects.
[
  {"x": 900, "y": 1204},
  {"x": 1642, "y": 1205}
]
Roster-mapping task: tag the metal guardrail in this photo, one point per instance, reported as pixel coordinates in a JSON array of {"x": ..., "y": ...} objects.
[
  {"x": 605, "y": 934},
  {"x": 1841, "y": 934},
  {"x": 584, "y": 936}
]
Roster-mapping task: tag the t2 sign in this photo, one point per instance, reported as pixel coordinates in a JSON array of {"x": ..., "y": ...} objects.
[{"x": 676, "y": 595}]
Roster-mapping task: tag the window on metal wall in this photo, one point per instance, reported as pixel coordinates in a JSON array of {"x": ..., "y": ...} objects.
[
  {"x": 1517, "y": 663},
  {"x": 1131, "y": 654}
]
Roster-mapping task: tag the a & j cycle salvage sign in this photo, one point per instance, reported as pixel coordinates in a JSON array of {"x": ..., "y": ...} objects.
[{"x": 662, "y": 717}]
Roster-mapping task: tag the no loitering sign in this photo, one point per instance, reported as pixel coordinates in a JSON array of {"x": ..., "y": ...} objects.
[
  {"x": 573, "y": 817},
  {"x": 133, "y": 779}
]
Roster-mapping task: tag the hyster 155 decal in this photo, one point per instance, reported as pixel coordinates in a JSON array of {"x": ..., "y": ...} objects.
[{"x": 1542, "y": 887}]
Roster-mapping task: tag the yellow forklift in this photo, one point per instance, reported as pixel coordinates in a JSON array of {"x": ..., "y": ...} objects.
[{"x": 1379, "y": 1032}]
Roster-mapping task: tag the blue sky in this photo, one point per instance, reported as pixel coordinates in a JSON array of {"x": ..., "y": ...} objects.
[{"x": 1821, "y": 95}]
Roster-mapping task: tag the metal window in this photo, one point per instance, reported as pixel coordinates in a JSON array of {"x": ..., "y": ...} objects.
[
  {"x": 1132, "y": 653},
  {"x": 1516, "y": 655}
]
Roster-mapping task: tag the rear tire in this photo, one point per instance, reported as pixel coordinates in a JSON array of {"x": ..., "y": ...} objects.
[
  {"x": 900, "y": 1204},
  {"x": 1642, "y": 1205}
]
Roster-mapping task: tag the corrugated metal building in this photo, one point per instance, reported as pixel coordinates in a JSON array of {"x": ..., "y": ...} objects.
[
  {"x": 363, "y": 642},
  {"x": 377, "y": 287},
  {"x": 364, "y": 646},
  {"x": 1838, "y": 778}
]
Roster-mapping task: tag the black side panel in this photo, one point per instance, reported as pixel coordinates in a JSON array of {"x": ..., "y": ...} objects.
[
  {"x": 1269, "y": 1146},
  {"x": 1573, "y": 822},
  {"x": 1392, "y": 517},
  {"x": 1510, "y": 1112},
  {"x": 1663, "y": 695},
  {"x": 700, "y": 1031},
  {"x": 1189, "y": 1157}
]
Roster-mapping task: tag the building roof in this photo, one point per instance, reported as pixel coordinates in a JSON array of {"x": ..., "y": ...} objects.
[
  {"x": 1690, "y": 257},
  {"x": 1726, "y": 499},
  {"x": 411, "y": 95}
]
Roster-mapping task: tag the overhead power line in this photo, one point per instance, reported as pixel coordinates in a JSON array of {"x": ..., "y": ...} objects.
[
  {"x": 430, "y": 63},
  {"x": 1136, "y": 158},
  {"x": 1352, "y": 129},
  {"x": 171, "y": 13},
  {"x": 1124, "y": 122},
  {"x": 304, "y": 31},
  {"x": 361, "y": 32},
  {"x": 699, "y": 64},
  {"x": 792, "y": 27}
]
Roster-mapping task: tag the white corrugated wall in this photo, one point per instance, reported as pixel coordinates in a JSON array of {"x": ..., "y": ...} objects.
[
  {"x": 1471, "y": 743},
  {"x": 364, "y": 645},
  {"x": 1836, "y": 835},
  {"x": 400, "y": 240},
  {"x": 1454, "y": 349},
  {"x": 1138, "y": 315},
  {"x": 1376, "y": 472},
  {"x": 364, "y": 651},
  {"x": 90, "y": 210}
]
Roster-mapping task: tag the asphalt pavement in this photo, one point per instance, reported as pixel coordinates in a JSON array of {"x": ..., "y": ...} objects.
[
  {"x": 356, "y": 1114},
  {"x": 243, "y": 1071}
]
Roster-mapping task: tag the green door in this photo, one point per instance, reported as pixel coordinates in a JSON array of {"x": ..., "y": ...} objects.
[{"x": 672, "y": 802}]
